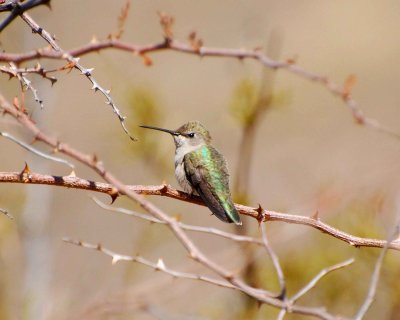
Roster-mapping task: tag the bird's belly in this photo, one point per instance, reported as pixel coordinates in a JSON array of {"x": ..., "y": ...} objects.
[{"x": 181, "y": 177}]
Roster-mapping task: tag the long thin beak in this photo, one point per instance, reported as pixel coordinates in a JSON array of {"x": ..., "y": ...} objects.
[{"x": 174, "y": 133}]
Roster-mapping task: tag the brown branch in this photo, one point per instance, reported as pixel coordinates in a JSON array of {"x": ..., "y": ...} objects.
[
  {"x": 170, "y": 192},
  {"x": 171, "y": 44}
]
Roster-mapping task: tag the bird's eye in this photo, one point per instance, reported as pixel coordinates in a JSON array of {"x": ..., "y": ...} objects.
[{"x": 191, "y": 135}]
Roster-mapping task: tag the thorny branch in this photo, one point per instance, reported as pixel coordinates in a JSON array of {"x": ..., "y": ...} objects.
[
  {"x": 26, "y": 84},
  {"x": 341, "y": 91},
  {"x": 14, "y": 72},
  {"x": 168, "y": 191}
]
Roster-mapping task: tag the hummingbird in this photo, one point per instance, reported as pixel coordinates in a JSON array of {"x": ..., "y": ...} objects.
[{"x": 200, "y": 169}]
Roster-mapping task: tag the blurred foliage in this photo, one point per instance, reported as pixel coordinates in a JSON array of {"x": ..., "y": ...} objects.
[
  {"x": 250, "y": 101},
  {"x": 249, "y": 104},
  {"x": 146, "y": 110}
]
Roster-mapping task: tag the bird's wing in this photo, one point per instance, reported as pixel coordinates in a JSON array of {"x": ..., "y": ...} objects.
[{"x": 208, "y": 175}]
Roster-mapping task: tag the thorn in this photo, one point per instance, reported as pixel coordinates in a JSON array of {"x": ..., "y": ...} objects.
[
  {"x": 282, "y": 295},
  {"x": 94, "y": 39},
  {"x": 315, "y": 216},
  {"x": 72, "y": 174},
  {"x": 229, "y": 277},
  {"x": 87, "y": 72},
  {"x": 164, "y": 187},
  {"x": 108, "y": 91},
  {"x": 26, "y": 170},
  {"x": 24, "y": 175},
  {"x": 53, "y": 80},
  {"x": 160, "y": 265},
  {"x": 259, "y": 304},
  {"x": 147, "y": 60},
  {"x": 178, "y": 217},
  {"x": 261, "y": 214},
  {"x": 114, "y": 196},
  {"x": 116, "y": 258},
  {"x": 95, "y": 159}
]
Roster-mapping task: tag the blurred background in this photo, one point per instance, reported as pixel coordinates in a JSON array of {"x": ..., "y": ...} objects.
[{"x": 302, "y": 153}]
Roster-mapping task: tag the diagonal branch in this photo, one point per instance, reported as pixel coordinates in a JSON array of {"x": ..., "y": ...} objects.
[
  {"x": 159, "y": 266},
  {"x": 35, "y": 151},
  {"x": 375, "y": 277},
  {"x": 75, "y": 63},
  {"x": 275, "y": 262},
  {"x": 17, "y": 8},
  {"x": 318, "y": 277}
]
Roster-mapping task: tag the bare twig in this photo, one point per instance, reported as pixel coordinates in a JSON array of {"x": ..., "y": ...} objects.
[
  {"x": 75, "y": 63},
  {"x": 188, "y": 227},
  {"x": 275, "y": 262},
  {"x": 159, "y": 266},
  {"x": 35, "y": 151},
  {"x": 121, "y": 21},
  {"x": 318, "y": 277},
  {"x": 26, "y": 84},
  {"x": 375, "y": 276},
  {"x": 13, "y": 72},
  {"x": 5, "y": 212}
]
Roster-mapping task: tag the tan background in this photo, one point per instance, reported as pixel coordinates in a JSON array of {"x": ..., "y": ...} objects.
[{"x": 310, "y": 155}]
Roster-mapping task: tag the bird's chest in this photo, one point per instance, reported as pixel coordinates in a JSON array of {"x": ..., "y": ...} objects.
[{"x": 180, "y": 173}]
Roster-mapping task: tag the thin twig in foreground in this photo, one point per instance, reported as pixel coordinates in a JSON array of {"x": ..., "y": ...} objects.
[
  {"x": 35, "y": 151},
  {"x": 159, "y": 266},
  {"x": 26, "y": 84},
  {"x": 375, "y": 277},
  {"x": 318, "y": 277},
  {"x": 188, "y": 227},
  {"x": 275, "y": 262},
  {"x": 5, "y": 212}
]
